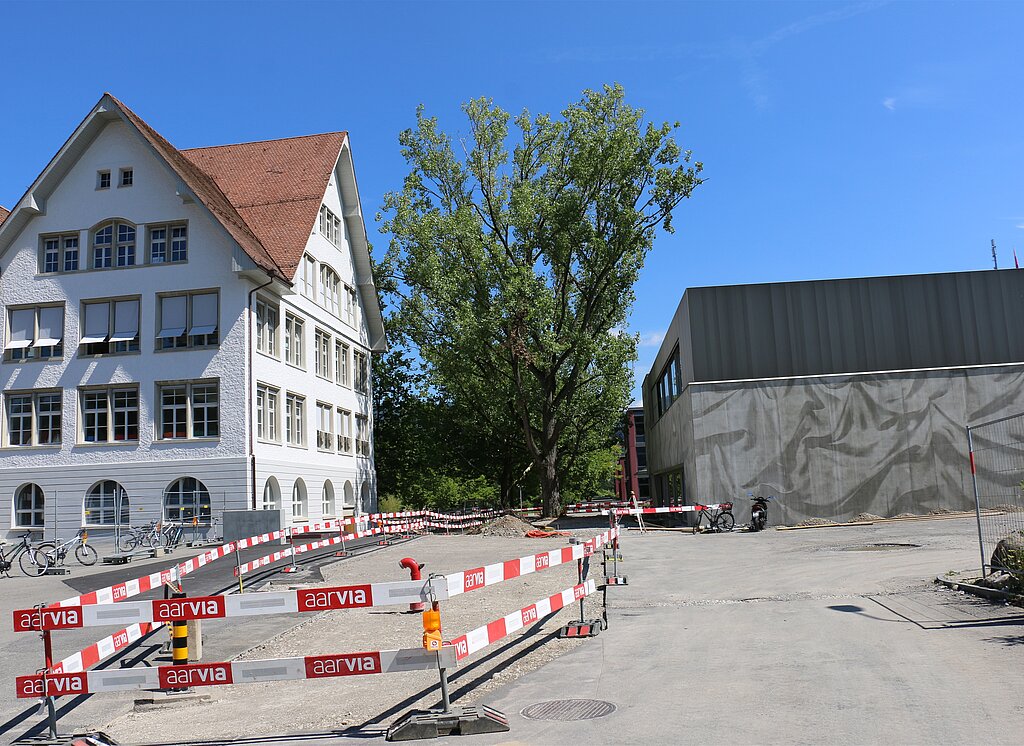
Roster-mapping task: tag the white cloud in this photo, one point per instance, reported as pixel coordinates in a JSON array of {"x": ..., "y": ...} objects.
[
  {"x": 651, "y": 339},
  {"x": 889, "y": 103},
  {"x": 1021, "y": 226}
]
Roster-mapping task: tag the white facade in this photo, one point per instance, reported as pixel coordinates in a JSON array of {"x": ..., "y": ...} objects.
[{"x": 213, "y": 438}]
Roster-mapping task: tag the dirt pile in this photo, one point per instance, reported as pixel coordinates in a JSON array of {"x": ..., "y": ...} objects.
[
  {"x": 507, "y": 525},
  {"x": 867, "y": 517},
  {"x": 1007, "y": 508},
  {"x": 907, "y": 515},
  {"x": 817, "y": 522}
]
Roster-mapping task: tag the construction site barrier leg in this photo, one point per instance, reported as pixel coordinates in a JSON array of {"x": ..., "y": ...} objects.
[
  {"x": 292, "y": 567},
  {"x": 584, "y": 627}
]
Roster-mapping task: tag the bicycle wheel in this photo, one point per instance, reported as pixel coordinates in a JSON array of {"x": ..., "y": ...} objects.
[
  {"x": 128, "y": 542},
  {"x": 85, "y": 554},
  {"x": 48, "y": 550},
  {"x": 726, "y": 521},
  {"x": 33, "y": 562}
]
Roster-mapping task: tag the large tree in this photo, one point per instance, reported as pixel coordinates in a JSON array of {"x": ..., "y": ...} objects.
[{"x": 514, "y": 271}]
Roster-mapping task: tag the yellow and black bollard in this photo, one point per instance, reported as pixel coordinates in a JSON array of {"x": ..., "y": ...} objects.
[{"x": 179, "y": 639}]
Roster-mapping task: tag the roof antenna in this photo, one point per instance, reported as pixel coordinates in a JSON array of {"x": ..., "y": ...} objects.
[{"x": 995, "y": 262}]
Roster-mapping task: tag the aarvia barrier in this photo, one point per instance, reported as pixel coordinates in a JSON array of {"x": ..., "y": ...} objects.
[{"x": 50, "y": 683}]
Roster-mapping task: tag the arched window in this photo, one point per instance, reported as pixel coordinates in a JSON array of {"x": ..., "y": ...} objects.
[
  {"x": 113, "y": 245},
  {"x": 271, "y": 495},
  {"x": 364, "y": 497},
  {"x": 327, "y": 508},
  {"x": 28, "y": 506},
  {"x": 103, "y": 503},
  {"x": 300, "y": 503},
  {"x": 350, "y": 496},
  {"x": 185, "y": 499},
  {"x": 330, "y": 286}
]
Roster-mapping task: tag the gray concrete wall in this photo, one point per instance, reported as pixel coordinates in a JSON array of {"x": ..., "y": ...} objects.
[
  {"x": 836, "y": 446},
  {"x": 241, "y": 524}
]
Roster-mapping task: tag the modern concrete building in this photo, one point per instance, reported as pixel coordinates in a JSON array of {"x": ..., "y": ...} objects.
[
  {"x": 837, "y": 396},
  {"x": 185, "y": 331}
]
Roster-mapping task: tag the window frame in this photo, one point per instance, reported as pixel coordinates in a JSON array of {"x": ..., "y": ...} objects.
[
  {"x": 186, "y": 340},
  {"x": 294, "y": 329},
  {"x": 322, "y": 351},
  {"x": 125, "y": 516},
  {"x": 114, "y": 347},
  {"x": 205, "y": 512},
  {"x": 100, "y": 174},
  {"x": 361, "y": 372},
  {"x": 13, "y": 354},
  {"x": 33, "y": 416},
  {"x": 295, "y": 419},
  {"x": 169, "y": 240},
  {"x": 267, "y": 342},
  {"x": 125, "y": 177},
  {"x": 37, "y": 506},
  {"x": 344, "y": 436},
  {"x": 362, "y": 426},
  {"x": 110, "y": 412},
  {"x": 267, "y": 416},
  {"x": 325, "y": 438},
  {"x": 190, "y": 406}
]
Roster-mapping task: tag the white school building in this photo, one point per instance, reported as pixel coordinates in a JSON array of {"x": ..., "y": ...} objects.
[{"x": 184, "y": 332}]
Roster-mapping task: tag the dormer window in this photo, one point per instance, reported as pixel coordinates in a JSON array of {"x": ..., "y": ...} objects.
[
  {"x": 103, "y": 179},
  {"x": 127, "y": 177},
  {"x": 113, "y": 240}
]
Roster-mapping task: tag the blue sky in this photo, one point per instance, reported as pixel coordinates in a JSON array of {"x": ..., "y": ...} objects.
[{"x": 839, "y": 139}]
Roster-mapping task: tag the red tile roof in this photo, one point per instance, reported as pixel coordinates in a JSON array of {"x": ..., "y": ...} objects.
[
  {"x": 207, "y": 192},
  {"x": 4, "y": 212},
  {"x": 276, "y": 186}
]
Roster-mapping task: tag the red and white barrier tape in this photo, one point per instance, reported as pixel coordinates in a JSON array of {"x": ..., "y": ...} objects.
[
  {"x": 668, "y": 509},
  {"x": 304, "y": 600},
  {"x": 481, "y": 577},
  {"x": 99, "y": 650},
  {"x": 481, "y": 637},
  {"x": 235, "y": 672}
]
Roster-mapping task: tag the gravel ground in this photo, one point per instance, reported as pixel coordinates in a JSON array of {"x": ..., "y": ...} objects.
[{"x": 375, "y": 701}]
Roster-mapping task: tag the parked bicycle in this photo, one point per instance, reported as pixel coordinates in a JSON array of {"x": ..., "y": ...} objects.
[
  {"x": 54, "y": 554},
  {"x": 142, "y": 536},
  {"x": 716, "y": 520},
  {"x": 173, "y": 534},
  {"x": 26, "y": 555}
]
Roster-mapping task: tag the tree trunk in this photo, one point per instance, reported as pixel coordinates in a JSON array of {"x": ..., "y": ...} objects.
[{"x": 549, "y": 483}]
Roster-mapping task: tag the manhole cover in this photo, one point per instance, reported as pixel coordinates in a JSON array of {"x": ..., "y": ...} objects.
[
  {"x": 568, "y": 709},
  {"x": 878, "y": 547}
]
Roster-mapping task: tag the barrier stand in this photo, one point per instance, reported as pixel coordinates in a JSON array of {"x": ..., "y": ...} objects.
[
  {"x": 448, "y": 721},
  {"x": 291, "y": 542},
  {"x": 614, "y": 578},
  {"x": 584, "y": 627},
  {"x": 343, "y": 552},
  {"x": 47, "y": 700},
  {"x": 238, "y": 567}
]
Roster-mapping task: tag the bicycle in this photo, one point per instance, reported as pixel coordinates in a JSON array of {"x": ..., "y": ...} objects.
[
  {"x": 55, "y": 554},
  {"x": 172, "y": 535},
  {"x": 27, "y": 558},
  {"x": 145, "y": 536},
  {"x": 717, "y": 520}
]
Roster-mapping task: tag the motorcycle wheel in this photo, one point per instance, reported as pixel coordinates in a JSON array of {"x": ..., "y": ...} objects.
[{"x": 85, "y": 554}]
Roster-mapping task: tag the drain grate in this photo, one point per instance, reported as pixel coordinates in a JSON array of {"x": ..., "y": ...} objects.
[
  {"x": 883, "y": 547},
  {"x": 564, "y": 710}
]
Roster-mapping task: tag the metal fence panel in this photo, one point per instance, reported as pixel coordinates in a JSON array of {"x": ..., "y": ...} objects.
[{"x": 997, "y": 472}]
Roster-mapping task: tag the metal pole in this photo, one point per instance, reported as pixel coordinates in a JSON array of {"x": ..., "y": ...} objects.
[
  {"x": 51, "y": 710},
  {"x": 238, "y": 568},
  {"x": 977, "y": 498},
  {"x": 446, "y": 703}
]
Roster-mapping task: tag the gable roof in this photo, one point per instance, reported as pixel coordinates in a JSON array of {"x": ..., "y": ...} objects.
[
  {"x": 277, "y": 186},
  {"x": 206, "y": 191},
  {"x": 266, "y": 195}
]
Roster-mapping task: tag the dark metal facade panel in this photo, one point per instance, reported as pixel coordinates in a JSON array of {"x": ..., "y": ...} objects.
[{"x": 848, "y": 326}]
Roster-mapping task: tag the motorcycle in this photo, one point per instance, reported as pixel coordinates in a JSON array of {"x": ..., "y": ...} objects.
[{"x": 759, "y": 511}]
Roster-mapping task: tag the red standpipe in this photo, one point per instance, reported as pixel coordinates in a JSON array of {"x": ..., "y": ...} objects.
[{"x": 414, "y": 568}]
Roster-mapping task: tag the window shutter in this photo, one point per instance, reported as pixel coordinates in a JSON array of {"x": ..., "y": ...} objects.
[
  {"x": 23, "y": 328},
  {"x": 204, "y": 314},
  {"x": 126, "y": 321},
  {"x": 51, "y": 327},
  {"x": 97, "y": 325},
  {"x": 172, "y": 316}
]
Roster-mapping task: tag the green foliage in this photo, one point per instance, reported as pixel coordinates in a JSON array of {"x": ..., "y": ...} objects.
[
  {"x": 513, "y": 271},
  {"x": 390, "y": 504}
]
